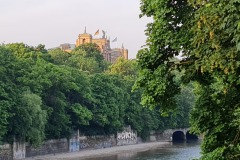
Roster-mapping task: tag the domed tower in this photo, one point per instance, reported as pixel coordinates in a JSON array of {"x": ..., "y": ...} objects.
[{"x": 84, "y": 38}]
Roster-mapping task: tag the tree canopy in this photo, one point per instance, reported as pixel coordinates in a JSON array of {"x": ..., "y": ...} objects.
[
  {"x": 206, "y": 35},
  {"x": 49, "y": 94}
]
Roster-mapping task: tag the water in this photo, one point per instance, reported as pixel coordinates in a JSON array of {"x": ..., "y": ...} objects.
[{"x": 172, "y": 151}]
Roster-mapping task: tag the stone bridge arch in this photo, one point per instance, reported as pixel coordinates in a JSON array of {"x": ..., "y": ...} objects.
[
  {"x": 178, "y": 136},
  {"x": 173, "y": 134}
]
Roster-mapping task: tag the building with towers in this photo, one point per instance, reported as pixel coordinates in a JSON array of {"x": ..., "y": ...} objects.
[{"x": 103, "y": 42}]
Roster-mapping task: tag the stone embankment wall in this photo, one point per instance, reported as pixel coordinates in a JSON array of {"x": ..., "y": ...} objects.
[
  {"x": 19, "y": 150},
  {"x": 76, "y": 143},
  {"x": 5, "y": 152},
  {"x": 97, "y": 142},
  {"x": 128, "y": 136},
  {"x": 167, "y": 135},
  {"x": 159, "y": 136},
  {"x": 91, "y": 142},
  {"x": 48, "y": 147}
]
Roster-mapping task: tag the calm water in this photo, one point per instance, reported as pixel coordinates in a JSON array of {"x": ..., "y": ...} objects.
[{"x": 174, "y": 151}]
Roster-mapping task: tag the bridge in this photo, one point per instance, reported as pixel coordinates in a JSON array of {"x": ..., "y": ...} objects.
[{"x": 180, "y": 134}]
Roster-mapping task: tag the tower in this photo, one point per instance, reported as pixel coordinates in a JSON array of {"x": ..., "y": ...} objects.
[
  {"x": 103, "y": 43},
  {"x": 84, "y": 38},
  {"x": 124, "y": 52}
]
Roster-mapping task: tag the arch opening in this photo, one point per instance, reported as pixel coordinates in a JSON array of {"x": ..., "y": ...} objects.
[
  {"x": 178, "y": 136},
  {"x": 190, "y": 136},
  {"x": 84, "y": 41}
]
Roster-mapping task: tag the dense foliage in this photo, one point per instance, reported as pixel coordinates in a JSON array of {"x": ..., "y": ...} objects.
[
  {"x": 206, "y": 34},
  {"x": 50, "y": 94}
]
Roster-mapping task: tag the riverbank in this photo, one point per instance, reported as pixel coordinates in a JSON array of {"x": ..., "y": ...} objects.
[{"x": 80, "y": 155}]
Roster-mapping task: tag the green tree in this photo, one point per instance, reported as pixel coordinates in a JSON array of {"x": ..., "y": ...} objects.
[
  {"x": 124, "y": 67},
  {"x": 41, "y": 48},
  {"x": 80, "y": 99},
  {"x": 141, "y": 119},
  {"x": 207, "y": 34},
  {"x": 29, "y": 119},
  {"x": 22, "y": 50},
  {"x": 108, "y": 104},
  {"x": 21, "y": 111},
  {"x": 184, "y": 100},
  {"x": 19, "y": 49},
  {"x": 166, "y": 36},
  {"x": 6, "y": 88},
  {"x": 67, "y": 99},
  {"x": 81, "y": 115},
  {"x": 90, "y": 50},
  {"x": 185, "y": 103},
  {"x": 215, "y": 48},
  {"x": 86, "y": 64},
  {"x": 64, "y": 91},
  {"x": 91, "y": 58},
  {"x": 59, "y": 57}
]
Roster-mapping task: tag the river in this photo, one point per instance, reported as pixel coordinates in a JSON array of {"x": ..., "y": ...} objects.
[{"x": 173, "y": 151}]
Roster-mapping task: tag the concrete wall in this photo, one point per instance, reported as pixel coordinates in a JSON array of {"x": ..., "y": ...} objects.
[
  {"x": 96, "y": 142},
  {"x": 76, "y": 143},
  {"x": 48, "y": 147},
  {"x": 5, "y": 152},
  {"x": 165, "y": 135},
  {"x": 126, "y": 137},
  {"x": 19, "y": 150}
]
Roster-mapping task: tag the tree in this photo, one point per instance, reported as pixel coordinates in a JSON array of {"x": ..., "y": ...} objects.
[
  {"x": 91, "y": 50},
  {"x": 91, "y": 57},
  {"x": 216, "y": 48},
  {"x": 166, "y": 37},
  {"x": 6, "y": 88},
  {"x": 19, "y": 49},
  {"x": 184, "y": 100},
  {"x": 207, "y": 34},
  {"x": 141, "y": 119},
  {"x": 86, "y": 64},
  {"x": 22, "y": 50},
  {"x": 29, "y": 119},
  {"x": 81, "y": 115},
  {"x": 21, "y": 110},
  {"x": 59, "y": 57},
  {"x": 124, "y": 67},
  {"x": 108, "y": 104}
]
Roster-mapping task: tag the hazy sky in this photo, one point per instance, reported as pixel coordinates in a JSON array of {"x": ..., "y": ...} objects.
[{"x": 53, "y": 22}]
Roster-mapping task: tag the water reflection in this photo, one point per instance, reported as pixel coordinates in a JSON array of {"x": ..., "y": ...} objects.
[
  {"x": 126, "y": 155},
  {"x": 172, "y": 151}
]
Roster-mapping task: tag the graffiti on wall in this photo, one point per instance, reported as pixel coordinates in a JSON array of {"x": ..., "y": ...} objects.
[
  {"x": 74, "y": 145},
  {"x": 126, "y": 137},
  {"x": 19, "y": 150}
]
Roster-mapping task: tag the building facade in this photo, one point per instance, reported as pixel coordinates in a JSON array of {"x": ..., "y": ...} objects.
[
  {"x": 109, "y": 54},
  {"x": 104, "y": 44}
]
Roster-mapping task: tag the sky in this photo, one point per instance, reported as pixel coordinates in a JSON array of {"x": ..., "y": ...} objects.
[{"x": 54, "y": 22}]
